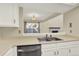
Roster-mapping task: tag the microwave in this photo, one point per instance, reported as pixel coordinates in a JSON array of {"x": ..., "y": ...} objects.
[{"x": 54, "y": 29}]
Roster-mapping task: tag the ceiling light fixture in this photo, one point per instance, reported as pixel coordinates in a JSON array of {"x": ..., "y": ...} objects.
[{"x": 33, "y": 16}]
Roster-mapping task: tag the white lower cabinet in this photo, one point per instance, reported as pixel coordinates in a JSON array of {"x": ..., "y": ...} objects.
[
  {"x": 61, "y": 49},
  {"x": 11, "y": 52},
  {"x": 48, "y": 49},
  {"x": 62, "y": 52},
  {"x": 74, "y": 51},
  {"x": 50, "y": 52},
  {"x": 54, "y": 51}
]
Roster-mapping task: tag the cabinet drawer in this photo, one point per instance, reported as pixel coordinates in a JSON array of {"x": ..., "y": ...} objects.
[
  {"x": 67, "y": 44},
  {"x": 49, "y": 52},
  {"x": 48, "y": 46}
]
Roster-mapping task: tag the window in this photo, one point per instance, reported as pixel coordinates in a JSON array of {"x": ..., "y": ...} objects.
[{"x": 31, "y": 27}]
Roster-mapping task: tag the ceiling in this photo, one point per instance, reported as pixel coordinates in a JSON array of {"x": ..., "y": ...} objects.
[{"x": 45, "y": 11}]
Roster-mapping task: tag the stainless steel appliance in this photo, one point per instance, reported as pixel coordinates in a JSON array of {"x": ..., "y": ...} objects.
[
  {"x": 54, "y": 29},
  {"x": 50, "y": 39},
  {"x": 29, "y": 50}
]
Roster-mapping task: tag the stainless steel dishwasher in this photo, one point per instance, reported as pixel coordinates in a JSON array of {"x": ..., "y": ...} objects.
[{"x": 29, "y": 50}]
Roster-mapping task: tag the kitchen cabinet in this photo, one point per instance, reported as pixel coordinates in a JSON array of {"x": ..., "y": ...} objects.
[
  {"x": 16, "y": 15},
  {"x": 53, "y": 50},
  {"x": 68, "y": 48},
  {"x": 61, "y": 49},
  {"x": 49, "y": 52},
  {"x": 74, "y": 51},
  {"x": 48, "y": 49},
  {"x": 9, "y": 15},
  {"x": 11, "y": 52}
]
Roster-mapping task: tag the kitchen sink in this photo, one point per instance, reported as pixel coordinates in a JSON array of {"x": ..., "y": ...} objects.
[{"x": 49, "y": 39}]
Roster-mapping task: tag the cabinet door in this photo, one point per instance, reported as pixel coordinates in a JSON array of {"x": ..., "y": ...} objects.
[
  {"x": 15, "y": 15},
  {"x": 49, "y": 49},
  {"x": 74, "y": 51},
  {"x": 11, "y": 52},
  {"x": 8, "y": 15},
  {"x": 49, "y": 52},
  {"x": 5, "y": 14},
  {"x": 62, "y": 51},
  {"x": 14, "y": 51}
]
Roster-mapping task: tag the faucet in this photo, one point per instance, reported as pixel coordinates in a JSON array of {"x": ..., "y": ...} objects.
[
  {"x": 50, "y": 36},
  {"x": 47, "y": 37}
]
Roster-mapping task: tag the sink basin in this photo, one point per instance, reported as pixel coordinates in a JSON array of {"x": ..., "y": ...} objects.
[{"x": 49, "y": 39}]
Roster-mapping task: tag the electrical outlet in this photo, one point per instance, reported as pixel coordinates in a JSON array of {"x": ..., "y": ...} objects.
[
  {"x": 19, "y": 31},
  {"x": 70, "y": 25},
  {"x": 70, "y": 31}
]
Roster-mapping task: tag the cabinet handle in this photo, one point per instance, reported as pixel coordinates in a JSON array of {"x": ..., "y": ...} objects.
[
  {"x": 57, "y": 52},
  {"x": 20, "y": 50},
  {"x": 69, "y": 50},
  {"x": 41, "y": 53},
  {"x": 14, "y": 21}
]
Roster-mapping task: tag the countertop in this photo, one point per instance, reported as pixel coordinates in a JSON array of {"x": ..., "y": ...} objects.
[
  {"x": 7, "y": 43},
  {"x": 64, "y": 38}
]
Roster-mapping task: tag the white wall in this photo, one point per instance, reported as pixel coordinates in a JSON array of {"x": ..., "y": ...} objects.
[
  {"x": 54, "y": 22},
  {"x": 72, "y": 16}
]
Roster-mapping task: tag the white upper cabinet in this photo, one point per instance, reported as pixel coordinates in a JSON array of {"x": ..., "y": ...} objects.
[{"x": 9, "y": 15}]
